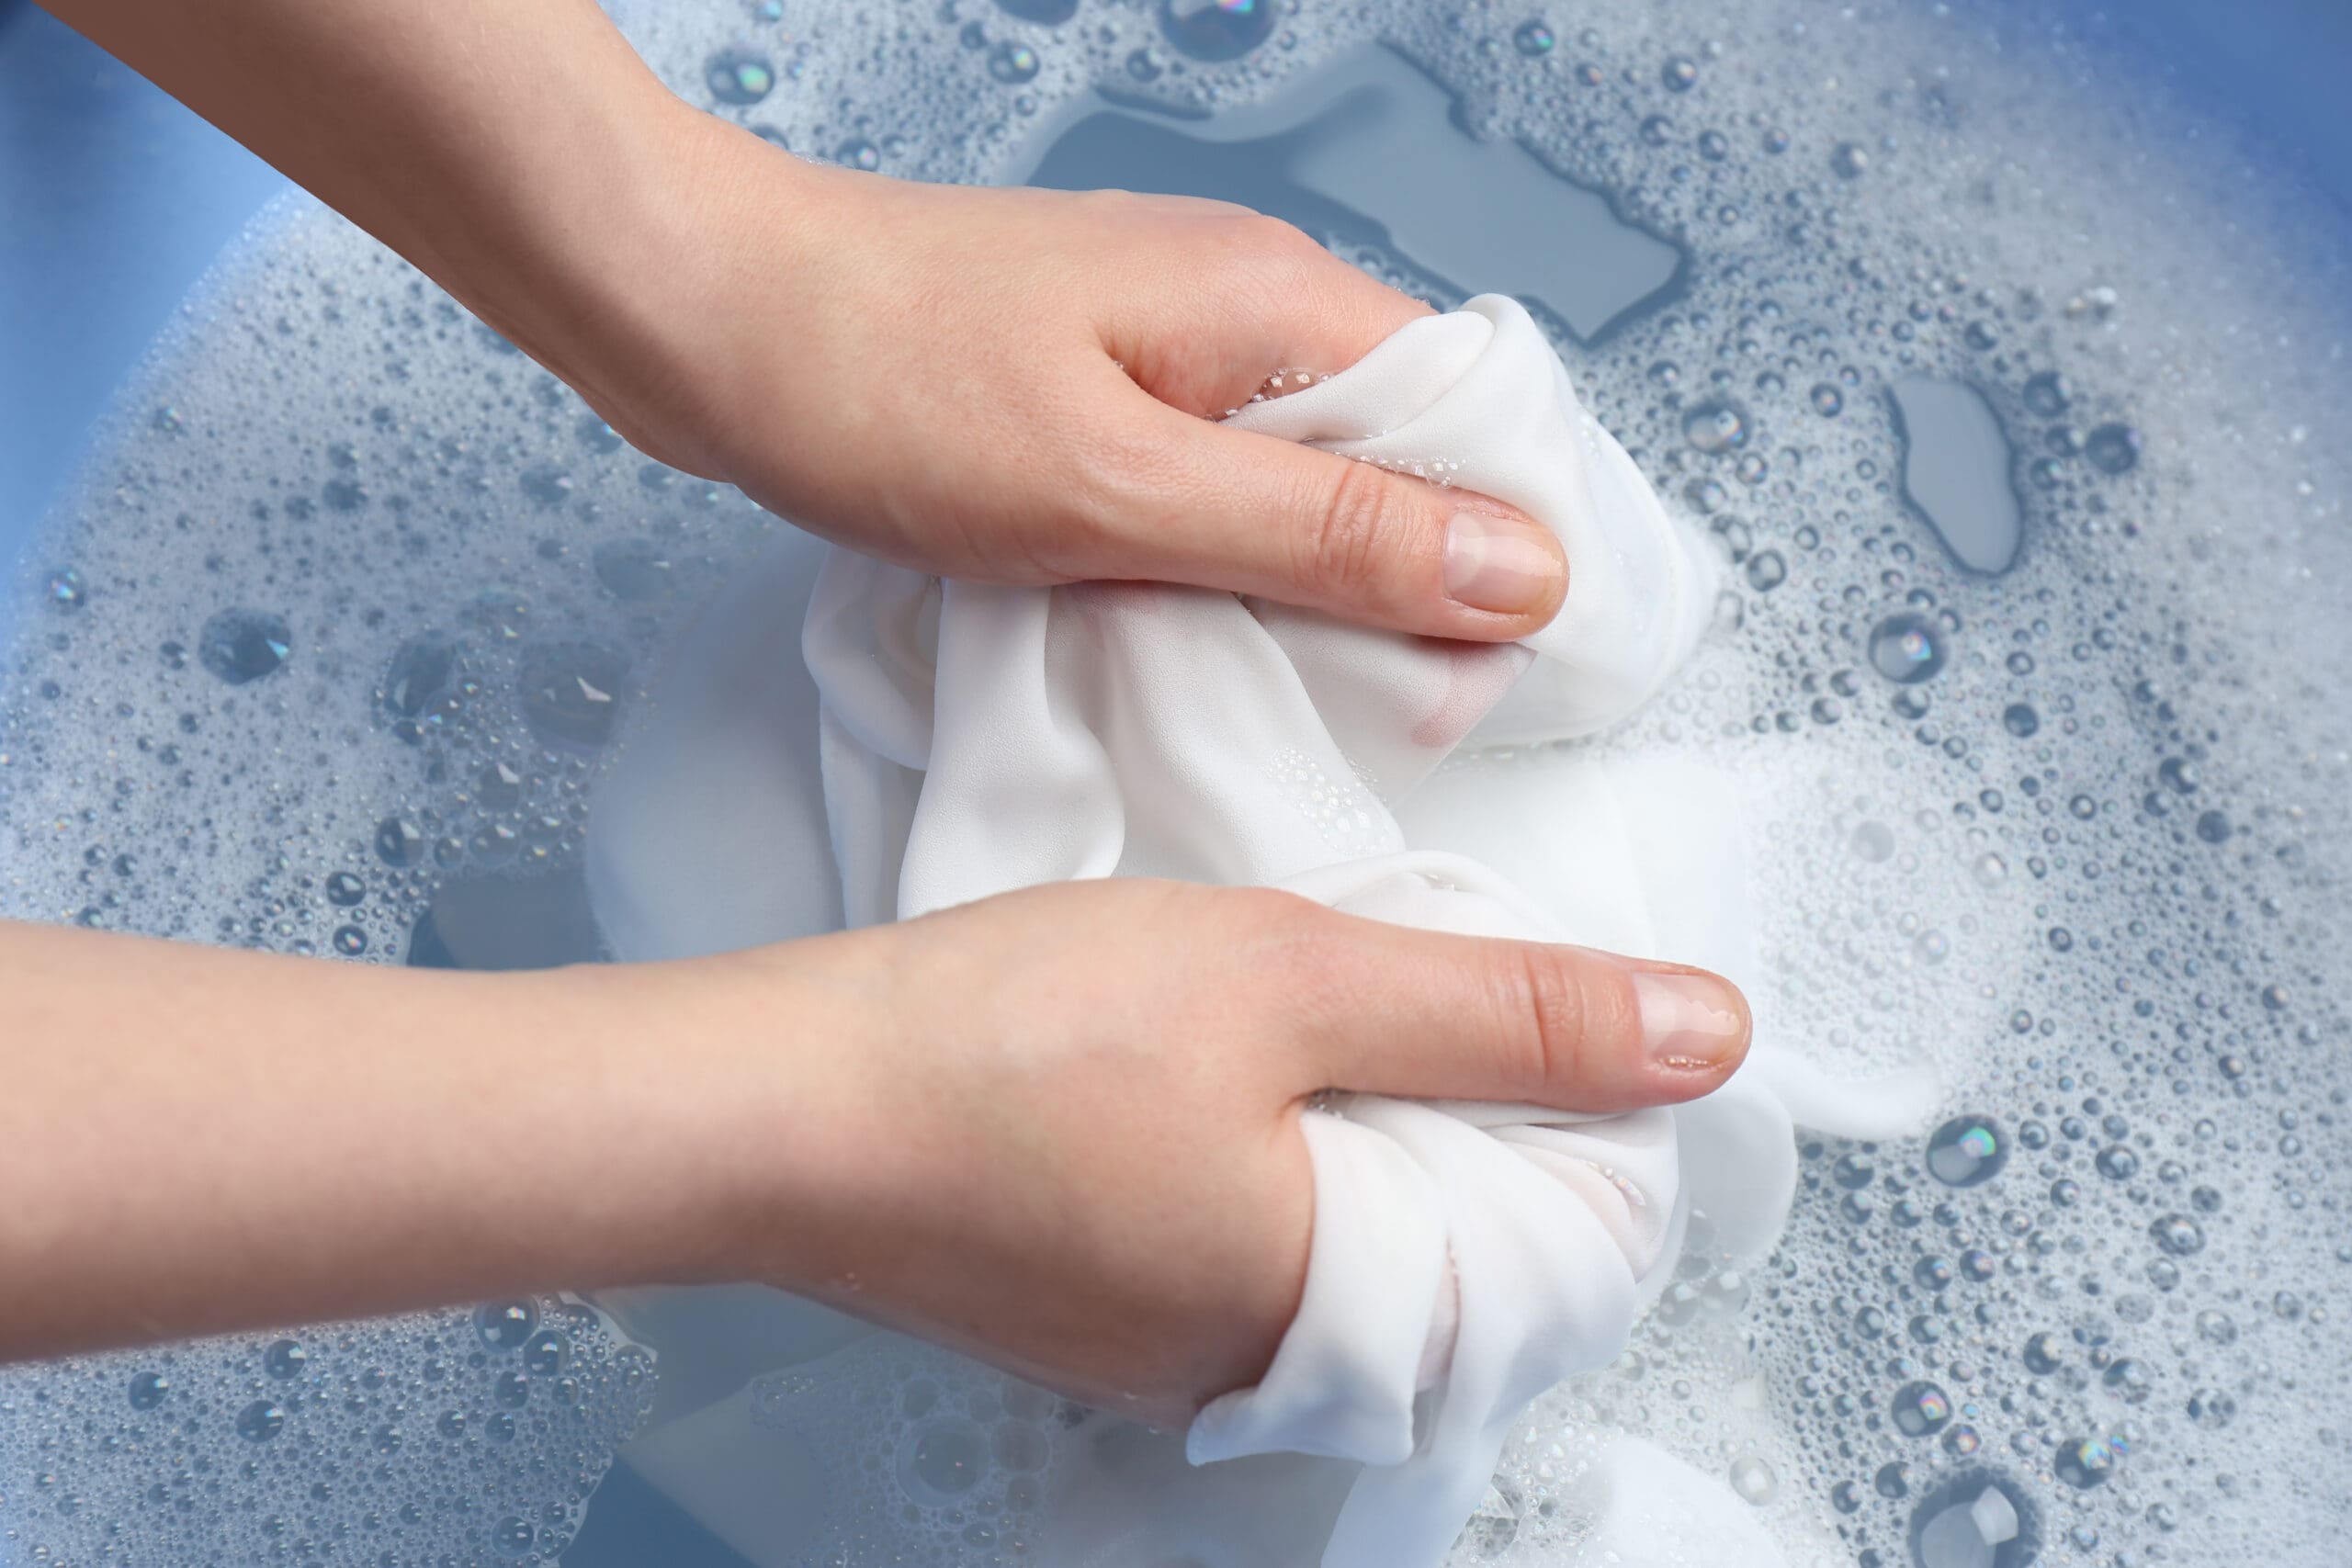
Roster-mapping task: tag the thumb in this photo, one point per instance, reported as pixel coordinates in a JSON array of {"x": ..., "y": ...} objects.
[
  {"x": 1430, "y": 1015},
  {"x": 1200, "y": 504}
]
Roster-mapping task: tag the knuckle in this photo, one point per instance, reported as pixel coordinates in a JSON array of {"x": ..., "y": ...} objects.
[
  {"x": 1272, "y": 237},
  {"x": 1571, "y": 1014},
  {"x": 1352, "y": 530}
]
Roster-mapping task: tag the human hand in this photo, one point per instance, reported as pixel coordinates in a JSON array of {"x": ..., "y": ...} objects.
[
  {"x": 1019, "y": 386},
  {"x": 1014, "y": 386},
  {"x": 1059, "y": 1129}
]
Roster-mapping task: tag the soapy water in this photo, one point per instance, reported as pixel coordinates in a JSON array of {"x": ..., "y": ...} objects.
[{"x": 2007, "y": 390}]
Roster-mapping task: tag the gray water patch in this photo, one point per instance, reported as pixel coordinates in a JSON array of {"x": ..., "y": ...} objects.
[
  {"x": 1956, "y": 463},
  {"x": 1370, "y": 152}
]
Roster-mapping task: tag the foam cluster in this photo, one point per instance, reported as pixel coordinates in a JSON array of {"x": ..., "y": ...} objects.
[{"x": 352, "y": 603}]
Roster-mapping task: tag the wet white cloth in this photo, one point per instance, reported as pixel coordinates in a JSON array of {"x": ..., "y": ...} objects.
[{"x": 972, "y": 740}]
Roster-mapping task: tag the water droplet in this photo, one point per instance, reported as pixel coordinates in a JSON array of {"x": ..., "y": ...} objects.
[
  {"x": 544, "y": 1353},
  {"x": 943, "y": 1462},
  {"x": 858, "y": 153},
  {"x": 2179, "y": 1235},
  {"x": 2113, "y": 448},
  {"x": 2047, "y": 394},
  {"x": 739, "y": 77},
  {"x": 260, "y": 1421},
  {"x": 2211, "y": 1408},
  {"x": 1827, "y": 400},
  {"x": 285, "y": 1360},
  {"x": 1849, "y": 160},
  {"x": 2085, "y": 1462},
  {"x": 1715, "y": 425},
  {"x": 399, "y": 842},
  {"x": 147, "y": 1389},
  {"x": 505, "y": 1325},
  {"x": 420, "y": 673},
  {"x": 571, "y": 690},
  {"x": 63, "y": 589},
  {"x": 1906, "y": 648},
  {"x": 1754, "y": 1480},
  {"x": 1216, "y": 29},
  {"x": 1965, "y": 1151},
  {"x": 1921, "y": 1409},
  {"x": 1679, "y": 74},
  {"x": 1972, "y": 1522},
  {"x": 1013, "y": 62},
  {"x": 1534, "y": 38},
  {"x": 239, "y": 646}
]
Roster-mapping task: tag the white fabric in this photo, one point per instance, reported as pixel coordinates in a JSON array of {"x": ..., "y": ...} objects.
[{"x": 972, "y": 740}]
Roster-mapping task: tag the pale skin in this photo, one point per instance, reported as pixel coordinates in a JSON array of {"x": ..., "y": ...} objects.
[{"x": 1058, "y": 1129}]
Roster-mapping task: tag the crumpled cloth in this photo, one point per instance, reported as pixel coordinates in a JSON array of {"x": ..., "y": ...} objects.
[{"x": 972, "y": 740}]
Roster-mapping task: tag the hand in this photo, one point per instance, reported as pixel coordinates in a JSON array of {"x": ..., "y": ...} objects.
[
  {"x": 1008, "y": 385},
  {"x": 1019, "y": 386},
  {"x": 1065, "y": 1137}
]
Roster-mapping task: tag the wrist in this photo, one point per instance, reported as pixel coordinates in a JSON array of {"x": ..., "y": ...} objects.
[{"x": 753, "y": 1132}]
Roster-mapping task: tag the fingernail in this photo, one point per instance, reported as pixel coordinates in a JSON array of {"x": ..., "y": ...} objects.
[
  {"x": 1690, "y": 1020},
  {"x": 1506, "y": 566}
]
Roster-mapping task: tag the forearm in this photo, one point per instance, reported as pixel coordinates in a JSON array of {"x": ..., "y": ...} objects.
[
  {"x": 509, "y": 150},
  {"x": 194, "y": 1141}
]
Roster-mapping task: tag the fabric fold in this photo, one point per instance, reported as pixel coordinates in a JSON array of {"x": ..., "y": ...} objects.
[{"x": 973, "y": 740}]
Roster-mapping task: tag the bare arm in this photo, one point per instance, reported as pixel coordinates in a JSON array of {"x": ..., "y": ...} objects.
[
  {"x": 195, "y": 1140},
  {"x": 1058, "y": 1129}
]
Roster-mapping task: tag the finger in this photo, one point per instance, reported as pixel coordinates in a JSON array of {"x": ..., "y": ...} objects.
[
  {"x": 1255, "y": 295},
  {"x": 1180, "y": 500},
  {"x": 1429, "y": 1015}
]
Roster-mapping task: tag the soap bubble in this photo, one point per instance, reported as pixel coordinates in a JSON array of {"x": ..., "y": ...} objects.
[
  {"x": 242, "y": 646},
  {"x": 941, "y": 1461},
  {"x": 739, "y": 77},
  {"x": 1013, "y": 62},
  {"x": 2085, "y": 1462},
  {"x": 2113, "y": 448},
  {"x": 1921, "y": 1409},
  {"x": 1216, "y": 29},
  {"x": 1906, "y": 648},
  {"x": 260, "y": 1421},
  {"x": 1715, "y": 425},
  {"x": 505, "y": 1325},
  {"x": 1965, "y": 1151},
  {"x": 572, "y": 691}
]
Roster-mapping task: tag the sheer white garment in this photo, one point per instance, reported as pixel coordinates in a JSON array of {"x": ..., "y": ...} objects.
[{"x": 969, "y": 739}]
